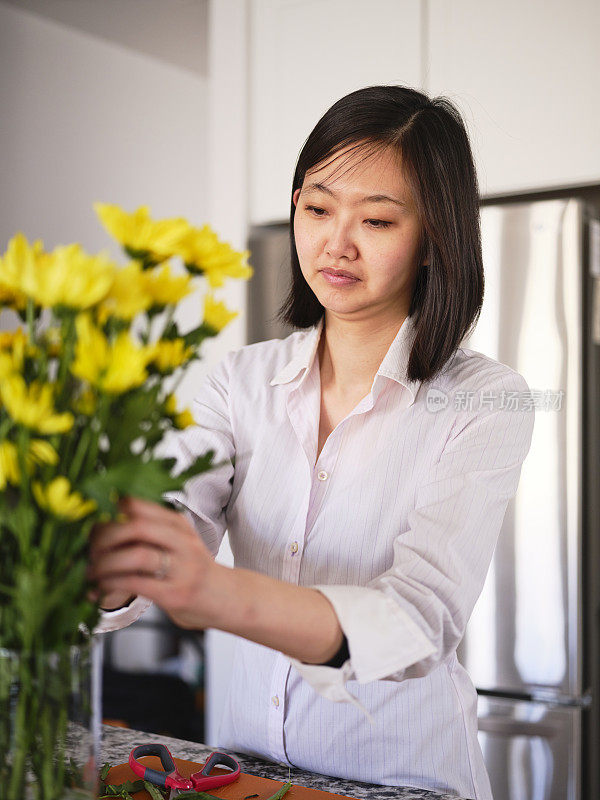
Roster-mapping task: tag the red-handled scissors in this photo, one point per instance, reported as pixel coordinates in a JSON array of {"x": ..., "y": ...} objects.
[{"x": 170, "y": 778}]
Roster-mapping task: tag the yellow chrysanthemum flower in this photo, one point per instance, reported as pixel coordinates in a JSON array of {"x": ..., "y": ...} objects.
[
  {"x": 171, "y": 405},
  {"x": 168, "y": 354},
  {"x": 52, "y": 342},
  {"x": 41, "y": 452},
  {"x": 141, "y": 236},
  {"x": 10, "y": 298},
  {"x": 202, "y": 251},
  {"x": 86, "y": 403},
  {"x": 182, "y": 419},
  {"x": 32, "y": 406},
  {"x": 58, "y": 498},
  {"x": 16, "y": 343},
  {"x": 9, "y": 465},
  {"x": 7, "y": 366},
  {"x": 112, "y": 367},
  {"x": 19, "y": 265},
  {"x": 165, "y": 288},
  {"x": 128, "y": 295},
  {"x": 216, "y": 314},
  {"x": 68, "y": 276}
]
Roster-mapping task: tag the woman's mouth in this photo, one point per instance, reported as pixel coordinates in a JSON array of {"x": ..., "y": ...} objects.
[{"x": 338, "y": 277}]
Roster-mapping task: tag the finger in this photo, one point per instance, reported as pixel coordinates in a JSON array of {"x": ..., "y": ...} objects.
[
  {"x": 148, "y": 531},
  {"x": 154, "y": 589},
  {"x": 146, "y": 509},
  {"x": 135, "y": 559}
]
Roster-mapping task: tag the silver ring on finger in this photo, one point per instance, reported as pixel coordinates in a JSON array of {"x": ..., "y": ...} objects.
[{"x": 163, "y": 570}]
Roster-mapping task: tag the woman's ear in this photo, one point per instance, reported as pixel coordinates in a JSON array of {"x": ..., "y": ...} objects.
[{"x": 295, "y": 197}]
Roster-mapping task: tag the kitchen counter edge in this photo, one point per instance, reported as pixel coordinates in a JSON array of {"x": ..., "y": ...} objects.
[{"x": 118, "y": 742}]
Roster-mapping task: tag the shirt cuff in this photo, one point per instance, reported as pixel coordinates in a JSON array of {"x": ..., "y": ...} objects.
[
  {"x": 330, "y": 682},
  {"x": 382, "y": 640},
  {"x": 121, "y": 617}
]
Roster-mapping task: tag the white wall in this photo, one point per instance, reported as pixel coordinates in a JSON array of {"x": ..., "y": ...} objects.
[
  {"x": 526, "y": 76},
  {"x": 83, "y": 120}
]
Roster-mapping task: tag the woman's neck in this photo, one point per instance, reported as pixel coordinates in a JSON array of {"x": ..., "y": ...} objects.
[{"x": 350, "y": 353}]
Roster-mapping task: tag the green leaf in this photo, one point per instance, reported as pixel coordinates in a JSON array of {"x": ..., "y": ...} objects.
[
  {"x": 124, "y": 790},
  {"x": 198, "y": 335},
  {"x": 146, "y": 479},
  {"x": 127, "y": 419},
  {"x": 284, "y": 789},
  {"x": 104, "y": 771},
  {"x": 153, "y": 791},
  {"x": 21, "y": 521}
]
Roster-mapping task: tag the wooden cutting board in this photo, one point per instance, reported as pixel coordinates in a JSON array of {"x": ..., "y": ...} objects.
[{"x": 238, "y": 790}]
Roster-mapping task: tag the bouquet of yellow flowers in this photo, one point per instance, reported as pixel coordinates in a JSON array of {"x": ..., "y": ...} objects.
[{"x": 87, "y": 382}]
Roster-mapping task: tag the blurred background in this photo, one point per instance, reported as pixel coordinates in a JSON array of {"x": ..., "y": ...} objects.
[{"x": 199, "y": 108}]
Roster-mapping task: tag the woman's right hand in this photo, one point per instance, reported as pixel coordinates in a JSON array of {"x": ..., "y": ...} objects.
[{"x": 114, "y": 600}]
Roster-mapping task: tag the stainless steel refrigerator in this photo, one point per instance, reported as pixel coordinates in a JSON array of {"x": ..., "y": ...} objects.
[{"x": 532, "y": 644}]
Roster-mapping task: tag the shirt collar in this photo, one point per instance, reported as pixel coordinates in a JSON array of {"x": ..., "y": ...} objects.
[
  {"x": 393, "y": 366},
  {"x": 395, "y": 362},
  {"x": 304, "y": 356}
]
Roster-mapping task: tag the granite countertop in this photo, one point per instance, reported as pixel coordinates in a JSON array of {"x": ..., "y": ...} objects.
[{"x": 118, "y": 742}]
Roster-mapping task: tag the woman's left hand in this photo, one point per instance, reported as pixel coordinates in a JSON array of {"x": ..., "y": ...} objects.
[{"x": 155, "y": 553}]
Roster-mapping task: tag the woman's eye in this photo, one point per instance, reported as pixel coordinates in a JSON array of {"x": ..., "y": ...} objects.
[
  {"x": 373, "y": 223},
  {"x": 315, "y": 209},
  {"x": 378, "y": 223}
]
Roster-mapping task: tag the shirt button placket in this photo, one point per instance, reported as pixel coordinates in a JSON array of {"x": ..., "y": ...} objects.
[{"x": 276, "y": 720}]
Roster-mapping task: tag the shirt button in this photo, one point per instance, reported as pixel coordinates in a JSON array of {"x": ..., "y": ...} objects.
[
  {"x": 275, "y": 701},
  {"x": 322, "y": 475},
  {"x": 294, "y": 547}
]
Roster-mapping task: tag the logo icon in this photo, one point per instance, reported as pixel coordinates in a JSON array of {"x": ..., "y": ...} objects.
[{"x": 436, "y": 400}]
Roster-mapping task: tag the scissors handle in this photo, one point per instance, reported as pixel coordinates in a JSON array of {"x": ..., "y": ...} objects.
[
  {"x": 169, "y": 778},
  {"x": 203, "y": 780}
]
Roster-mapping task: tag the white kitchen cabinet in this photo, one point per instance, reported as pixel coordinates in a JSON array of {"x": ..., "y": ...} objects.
[
  {"x": 527, "y": 77},
  {"x": 305, "y": 55}
]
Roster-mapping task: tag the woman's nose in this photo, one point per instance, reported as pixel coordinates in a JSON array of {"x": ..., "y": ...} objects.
[{"x": 340, "y": 242}]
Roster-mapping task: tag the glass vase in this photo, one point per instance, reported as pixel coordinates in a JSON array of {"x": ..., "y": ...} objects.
[{"x": 49, "y": 723}]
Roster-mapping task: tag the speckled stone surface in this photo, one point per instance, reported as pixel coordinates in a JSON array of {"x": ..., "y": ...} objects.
[{"x": 118, "y": 742}]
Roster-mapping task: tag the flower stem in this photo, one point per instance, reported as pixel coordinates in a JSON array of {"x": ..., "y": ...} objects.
[
  {"x": 92, "y": 452},
  {"x": 29, "y": 312},
  {"x": 80, "y": 453},
  {"x": 46, "y": 541},
  {"x": 20, "y": 733},
  {"x": 22, "y": 451},
  {"x": 66, "y": 356}
]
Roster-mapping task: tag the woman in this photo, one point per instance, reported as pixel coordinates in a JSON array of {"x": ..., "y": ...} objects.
[{"x": 374, "y": 462}]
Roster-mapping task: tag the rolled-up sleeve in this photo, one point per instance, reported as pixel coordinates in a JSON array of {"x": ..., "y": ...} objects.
[
  {"x": 204, "y": 498},
  {"x": 410, "y": 619},
  {"x": 121, "y": 617}
]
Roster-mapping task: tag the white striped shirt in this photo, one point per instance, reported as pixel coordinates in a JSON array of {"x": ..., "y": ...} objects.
[{"x": 395, "y": 523}]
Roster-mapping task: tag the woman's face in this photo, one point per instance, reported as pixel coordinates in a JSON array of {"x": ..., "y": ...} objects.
[{"x": 358, "y": 237}]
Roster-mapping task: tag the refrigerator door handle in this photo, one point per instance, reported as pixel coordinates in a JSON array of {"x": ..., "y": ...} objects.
[{"x": 502, "y": 726}]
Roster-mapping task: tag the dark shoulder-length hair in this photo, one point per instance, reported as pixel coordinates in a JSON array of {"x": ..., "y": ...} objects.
[{"x": 437, "y": 163}]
